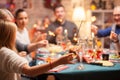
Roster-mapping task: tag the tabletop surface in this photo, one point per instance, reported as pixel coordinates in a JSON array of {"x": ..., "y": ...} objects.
[{"x": 90, "y": 72}]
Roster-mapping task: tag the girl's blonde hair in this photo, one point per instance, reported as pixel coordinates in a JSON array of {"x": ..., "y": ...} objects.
[
  {"x": 7, "y": 34},
  {"x": 6, "y": 15}
]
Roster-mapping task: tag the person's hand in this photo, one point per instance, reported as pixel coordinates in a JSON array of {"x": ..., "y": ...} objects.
[
  {"x": 37, "y": 37},
  {"x": 66, "y": 59},
  {"x": 42, "y": 43},
  {"x": 59, "y": 31},
  {"x": 22, "y": 54},
  {"x": 113, "y": 36},
  {"x": 40, "y": 36},
  {"x": 43, "y": 36},
  {"x": 94, "y": 29}
]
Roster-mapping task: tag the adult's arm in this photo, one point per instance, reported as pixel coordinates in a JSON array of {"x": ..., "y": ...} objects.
[
  {"x": 11, "y": 62},
  {"x": 104, "y": 33},
  {"x": 21, "y": 47},
  {"x": 40, "y": 69},
  {"x": 30, "y": 47},
  {"x": 34, "y": 46}
]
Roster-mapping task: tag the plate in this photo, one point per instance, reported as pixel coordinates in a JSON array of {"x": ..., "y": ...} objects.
[{"x": 105, "y": 63}]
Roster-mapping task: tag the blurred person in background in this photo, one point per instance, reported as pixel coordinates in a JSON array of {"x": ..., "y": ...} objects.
[
  {"x": 21, "y": 20},
  {"x": 6, "y": 15},
  {"x": 116, "y": 39},
  {"x": 113, "y": 31},
  {"x": 46, "y": 22},
  {"x": 60, "y": 24}
]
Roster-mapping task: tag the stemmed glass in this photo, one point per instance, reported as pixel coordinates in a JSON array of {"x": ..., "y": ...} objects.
[
  {"x": 59, "y": 39},
  {"x": 81, "y": 66},
  {"x": 81, "y": 52}
]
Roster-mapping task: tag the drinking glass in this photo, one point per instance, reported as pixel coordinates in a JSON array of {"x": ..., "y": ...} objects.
[
  {"x": 59, "y": 39},
  {"x": 81, "y": 66},
  {"x": 82, "y": 46}
]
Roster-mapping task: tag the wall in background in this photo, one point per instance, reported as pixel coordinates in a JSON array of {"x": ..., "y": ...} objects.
[{"x": 36, "y": 9}]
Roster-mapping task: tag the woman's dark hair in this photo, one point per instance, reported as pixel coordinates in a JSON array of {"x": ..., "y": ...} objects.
[
  {"x": 57, "y": 6},
  {"x": 18, "y": 11}
]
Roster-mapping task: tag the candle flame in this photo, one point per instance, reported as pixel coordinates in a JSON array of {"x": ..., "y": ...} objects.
[
  {"x": 35, "y": 25},
  {"x": 93, "y": 18},
  {"x": 93, "y": 35},
  {"x": 51, "y": 33},
  {"x": 65, "y": 30}
]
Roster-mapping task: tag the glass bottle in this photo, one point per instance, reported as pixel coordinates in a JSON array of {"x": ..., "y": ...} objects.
[
  {"x": 65, "y": 39},
  {"x": 102, "y": 4},
  {"x": 93, "y": 5}
]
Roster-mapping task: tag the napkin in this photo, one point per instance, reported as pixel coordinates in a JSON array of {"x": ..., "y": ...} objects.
[{"x": 59, "y": 68}]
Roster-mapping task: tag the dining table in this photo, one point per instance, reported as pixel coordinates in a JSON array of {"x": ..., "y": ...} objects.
[{"x": 88, "y": 72}]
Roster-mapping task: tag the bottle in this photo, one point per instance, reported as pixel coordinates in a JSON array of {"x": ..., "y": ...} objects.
[
  {"x": 102, "y": 4},
  {"x": 93, "y": 5},
  {"x": 65, "y": 39},
  {"x": 112, "y": 4}
]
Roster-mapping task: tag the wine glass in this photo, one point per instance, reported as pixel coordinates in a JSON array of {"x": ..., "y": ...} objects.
[
  {"x": 82, "y": 46},
  {"x": 81, "y": 66},
  {"x": 59, "y": 39}
]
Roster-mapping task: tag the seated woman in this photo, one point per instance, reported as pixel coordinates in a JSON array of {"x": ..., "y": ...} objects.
[
  {"x": 21, "y": 20},
  {"x": 12, "y": 65},
  {"x": 7, "y": 16}
]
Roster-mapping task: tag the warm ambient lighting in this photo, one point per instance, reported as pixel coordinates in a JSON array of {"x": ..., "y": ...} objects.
[
  {"x": 51, "y": 33},
  {"x": 79, "y": 18},
  {"x": 78, "y": 14},
  {"x": 65, "y": 32},
  {"x": 93, "y": 19}
]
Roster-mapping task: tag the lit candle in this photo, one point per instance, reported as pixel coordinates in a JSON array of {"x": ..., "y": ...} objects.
[
  {"x": 93, "y": 19},
  {"x": 65, "y": 31},
  {"x": 35, "y": 25},
  {"x": 51, "y": 33},
  {"x": 93, "y": 35}
]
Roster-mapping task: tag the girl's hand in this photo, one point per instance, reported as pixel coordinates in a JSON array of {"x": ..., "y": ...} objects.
[
  {"x": 23, "y": 54},
  {"x": 66, "y": 59}
]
